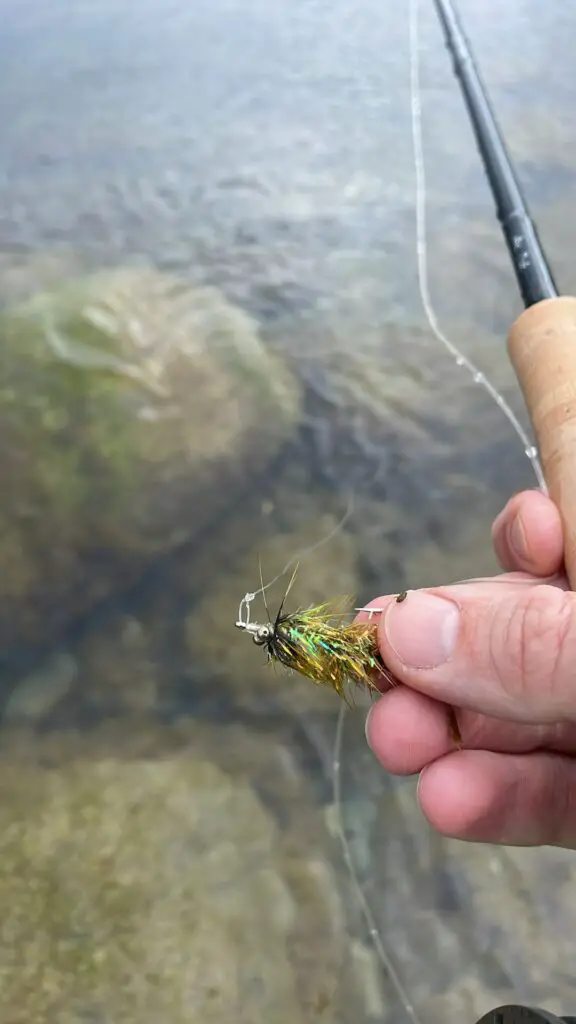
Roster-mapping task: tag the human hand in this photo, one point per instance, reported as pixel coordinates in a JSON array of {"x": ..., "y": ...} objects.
[{"x": 512, "y": 677}]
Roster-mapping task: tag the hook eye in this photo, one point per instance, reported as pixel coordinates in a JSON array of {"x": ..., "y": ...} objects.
[{"x": 262, "y": 635}]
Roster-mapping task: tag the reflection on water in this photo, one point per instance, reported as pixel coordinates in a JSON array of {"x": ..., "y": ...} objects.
[{"x": 167, "y": 827}]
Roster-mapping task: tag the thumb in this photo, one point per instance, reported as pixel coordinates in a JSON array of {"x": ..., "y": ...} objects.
[{"x": 504, "y": 647}]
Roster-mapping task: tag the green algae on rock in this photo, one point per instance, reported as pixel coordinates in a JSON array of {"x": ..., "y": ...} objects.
[{"x": 134, "y": 408}]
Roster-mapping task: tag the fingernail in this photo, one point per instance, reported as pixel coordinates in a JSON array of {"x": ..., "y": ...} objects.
[
  {"x": 367, "y": 726},
  {"x": 419, "y": 783},
  {"x": 422, "y": 630},
  {"x": 517, "y": 538}
]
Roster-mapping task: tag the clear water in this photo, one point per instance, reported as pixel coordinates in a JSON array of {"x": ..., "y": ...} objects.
[{"x": 169, "y": 845}]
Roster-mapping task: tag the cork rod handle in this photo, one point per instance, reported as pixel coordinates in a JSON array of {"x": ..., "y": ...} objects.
[{"x": 542, "y": 347}]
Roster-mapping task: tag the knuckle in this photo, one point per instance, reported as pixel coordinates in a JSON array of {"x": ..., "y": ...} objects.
[{"x": 534, "y": 648}]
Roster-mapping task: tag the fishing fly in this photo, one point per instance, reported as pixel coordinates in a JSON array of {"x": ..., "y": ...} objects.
[{"x": 318, "y": 643}]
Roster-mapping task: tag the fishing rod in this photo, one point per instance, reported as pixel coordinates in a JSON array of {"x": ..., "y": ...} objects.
[
  {"x": 536, "y": 284},
  {"x": 533, "y": 274}
]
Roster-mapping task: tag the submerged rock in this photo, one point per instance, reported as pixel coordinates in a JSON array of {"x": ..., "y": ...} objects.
[
  {"x": 142, "y": 881},
  {"x": 36, "y": 694},
  {"x": 172, "y": 645},
  {"x": 23, "y": 273},
  {"x": 134, "y": 408},
  {"x": 393, "y": 414},
  {"x": 140, "y": 889}
]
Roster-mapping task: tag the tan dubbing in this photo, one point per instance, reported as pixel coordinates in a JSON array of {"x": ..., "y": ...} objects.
[{"x": 542, "y": 347}]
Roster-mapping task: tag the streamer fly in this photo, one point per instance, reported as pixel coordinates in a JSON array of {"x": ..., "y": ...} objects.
[{"x": 319, "y": 644}]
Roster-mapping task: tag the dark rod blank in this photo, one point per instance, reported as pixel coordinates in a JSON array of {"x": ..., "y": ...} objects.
[{"x": 530, "y": 264}]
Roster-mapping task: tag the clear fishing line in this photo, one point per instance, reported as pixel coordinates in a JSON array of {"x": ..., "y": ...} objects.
[{"x": 531, "y": 452}]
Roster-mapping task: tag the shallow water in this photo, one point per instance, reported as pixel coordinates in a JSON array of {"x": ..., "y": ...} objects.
[{"x": 265, "y": 149}]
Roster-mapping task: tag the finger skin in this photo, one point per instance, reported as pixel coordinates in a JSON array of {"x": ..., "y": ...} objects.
[
  {"x": 515, "y": 652},
  {"x": 518, "y": 788},
  {"x": 407, "y": 731},
  {"x": 527, "y": 535},
  {"x": 517, "y": 800}
]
